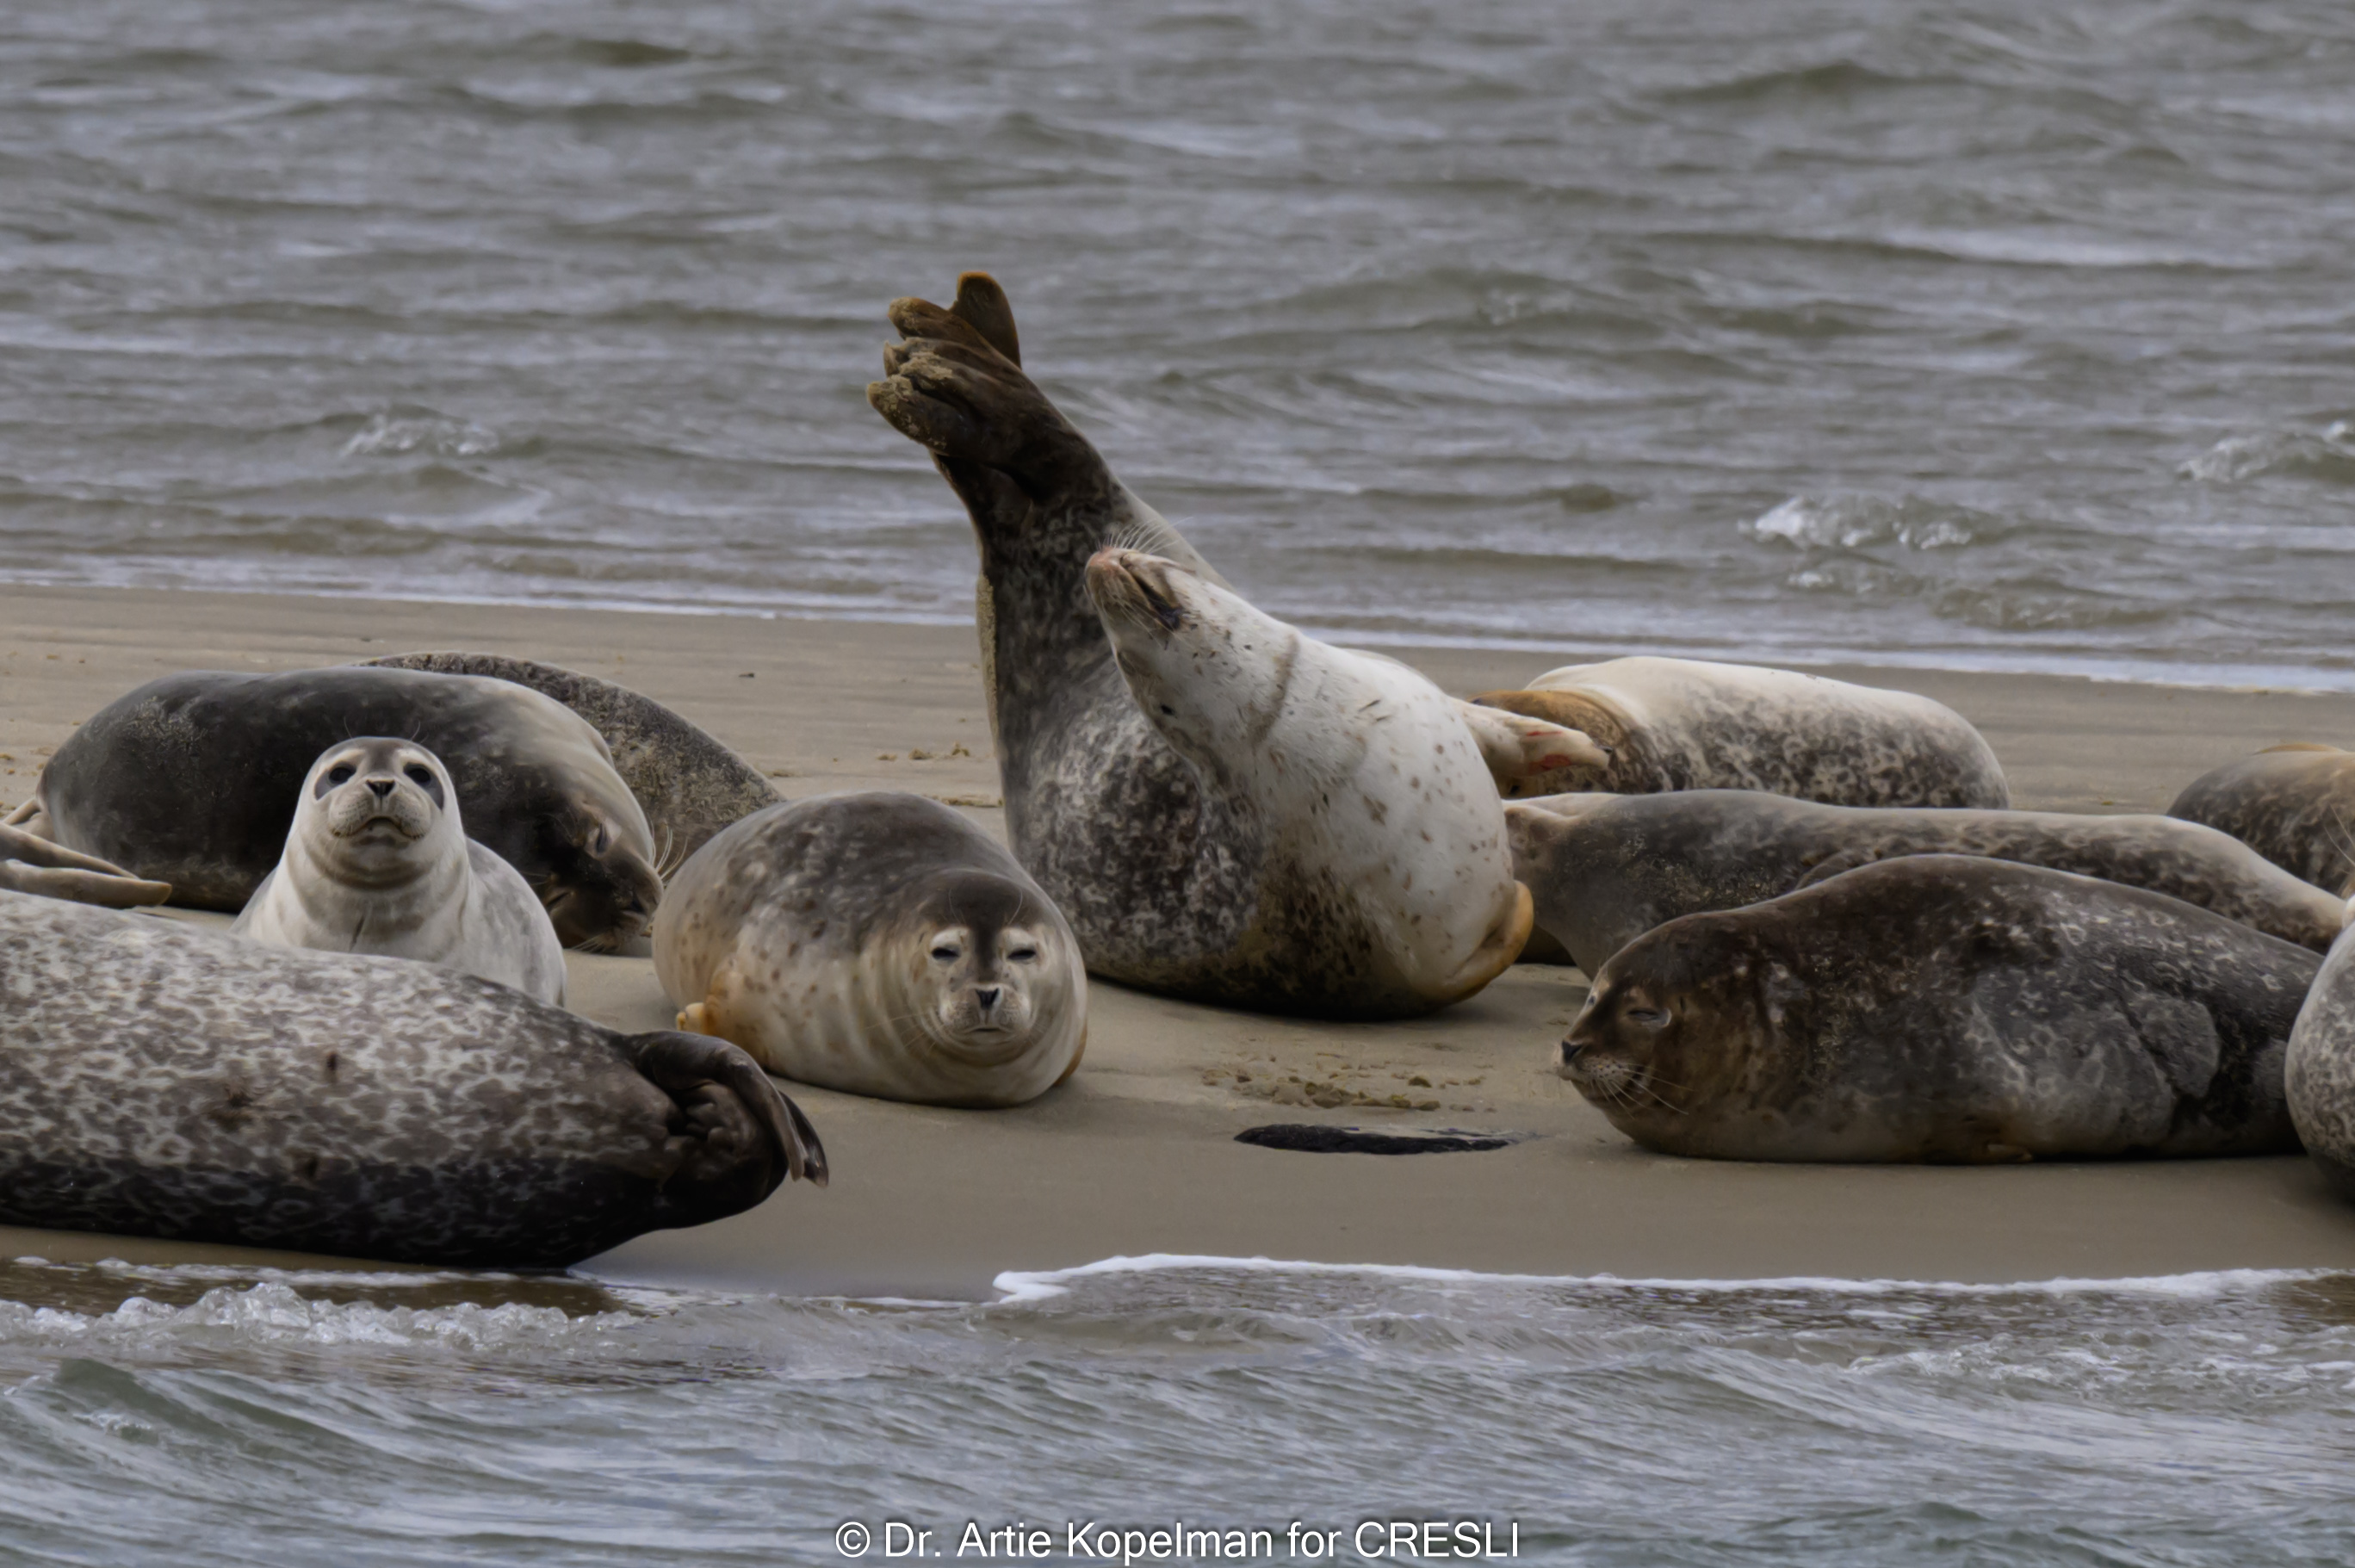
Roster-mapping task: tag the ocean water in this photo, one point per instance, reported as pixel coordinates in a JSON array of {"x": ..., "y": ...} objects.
[
  {"x": 193, "y": 1416},
  {"x": 2013, "y": 334}
]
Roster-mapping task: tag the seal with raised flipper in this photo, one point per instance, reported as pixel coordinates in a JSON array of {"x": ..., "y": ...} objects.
[
  {"x": 877, "y": 943},
  {"x": 2294, "y": 805},
  {"x": 1943, "y": 1008},
  {"x": 2320, "y": 1076},
  {"x": 1617, "y": 866},
  {"x": 378, "y": 861},
  {"x": 1672, "y": 724},
  {"x": 1172, "y": 875},
  {"x": 162, "y": 1081},
  {"x": 690, "y": 784},
  {"x": 193, "y": 779}
]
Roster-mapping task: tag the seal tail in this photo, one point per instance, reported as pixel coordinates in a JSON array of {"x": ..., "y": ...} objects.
[{"x": 709, "y": 1078}]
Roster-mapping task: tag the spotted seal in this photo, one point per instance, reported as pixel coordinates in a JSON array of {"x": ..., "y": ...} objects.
[
  {"x": 2294, "y": 805},
  {"x": 1671, "y": 724},
  {"x": 690, "y": 784},
  {"x": 378, "y": 861},
  {"x": 2320, "y": 1076},
  {"x": 877, "y": 943},
  {"x": 162, "y": 1081},
  {"x": 1946, "y": 1008},
  {"x": 1624, "y": 864},
  {"x": 1168, "y": 881},
  {"x": 193, "y": 779}
]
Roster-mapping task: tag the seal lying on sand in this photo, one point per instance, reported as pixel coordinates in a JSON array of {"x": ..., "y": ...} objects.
[
  {"x": 34, "y": 865},
  {"x": 1624, "y": 864},
  {"x": 193, "y": 779},
  {"x": 2320, "y": 1079},
  {"x": 1171, "y": 879},
  {"x": 378, "y": 861},
  {"x": 1670, "y": 724},
  {"x": 165, "y": 1082},
  {"x": 2293, "y": 804},
  {"x": 1946, "y": 1008},
  {"x": 690, "y": 784},
  {"x": 880, "y": 944}
]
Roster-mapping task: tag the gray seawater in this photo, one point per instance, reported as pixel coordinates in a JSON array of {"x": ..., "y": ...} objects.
[
  {"x": 191, "y": 1417},
  {"x": 2013, "y": 334}
]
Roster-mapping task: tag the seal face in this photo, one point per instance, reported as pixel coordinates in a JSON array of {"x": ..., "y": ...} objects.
[
  {"x": 879, "y": 943},
  {"x": 378, "y": 861},
  {"x": 193, "y": 779},
  {"x": 1179, "y": 872},
  {"x": 690, "y": 784},
  {"x": 1675, "y": 724},
  {"x": 1619, "y": 866},
  {"x": 2320, "y": 1077},
  {"x": 2293, "y": 804},
  {"x": 165, "y": 1082},
  {"x": 1941, "y": 1008}
]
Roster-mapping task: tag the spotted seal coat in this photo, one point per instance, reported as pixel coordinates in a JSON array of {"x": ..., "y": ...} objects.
[
  {"x": 160, "y": 1081},
  {"x": 1671, "y": 724},
  {"x": 690, "y": 784},
  {"x": 2320, "y": 1079},
  {"x": 1948, "y": 1009},
  {"x": 881, "y": 944},
  {"x": 2293, "y": 804},
  {"x": 1622, "y": 865},
  {"x": 193, "y": 779},
  {"x": 1144, "y": 855},
  {"x": 378, "y": 861}
]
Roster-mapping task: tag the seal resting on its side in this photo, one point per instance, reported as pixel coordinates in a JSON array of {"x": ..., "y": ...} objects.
[
  {"x": 193, "y": 779},
  {"x": 165, "y": 1082},
  {"x": 690, "y": 784},
  {"x": 2320, "y": 1079},
  {"x": 2294, "y": 805},
  {"x": 1148, "y": 855},
  {"x": 378, "y": 861},
  {"x": 880, "y": 944},
  {"x": 1950, "y": 1009},
  {"x": 1672, "y": 724},
  {"x": 1620, "y": 865}
]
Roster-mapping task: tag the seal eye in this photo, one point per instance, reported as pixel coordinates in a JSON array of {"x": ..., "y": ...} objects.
[
  {"x": 417, "y": 773},
  {"x": 598, "y": 843},
  {"x": 945, "y": 954},
  {"x": 1024, "y": 955},
  {"x": 1649, "y": 1018},
  {"x": 1167, "y": 708},
  {"x": 340, "y": 773}
]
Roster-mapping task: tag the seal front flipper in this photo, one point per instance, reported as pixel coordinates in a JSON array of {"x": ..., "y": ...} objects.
[
  {"x": 744, "y": 1125},
  {"x": 31, "y": 864}
]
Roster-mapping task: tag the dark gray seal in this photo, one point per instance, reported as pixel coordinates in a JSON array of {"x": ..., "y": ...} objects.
[
  {"x": 165, "y": 1082},
  {"x": 1943, "y": 1008},
  {"x": 1624, "y": 864},
  {"x": 2321, "y": 1079},
  {"x": 193, "y": 779},
  {"x": 690, "y": 784},
  {"x": 2293, "y": 804},
  {"x": 1152, "y": 869}
]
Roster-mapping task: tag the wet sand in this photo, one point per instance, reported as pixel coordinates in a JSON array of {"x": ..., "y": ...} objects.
[{"x": 1136, "y": 1155}]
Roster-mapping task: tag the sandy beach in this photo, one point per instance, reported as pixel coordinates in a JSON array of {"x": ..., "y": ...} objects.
[{"x": 1137, "y": 1154}]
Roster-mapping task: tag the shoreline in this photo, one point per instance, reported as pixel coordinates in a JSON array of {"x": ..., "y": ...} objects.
[{"x": 1136, "y": 1155}]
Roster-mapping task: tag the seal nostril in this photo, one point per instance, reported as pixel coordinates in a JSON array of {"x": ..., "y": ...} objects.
[
  {"x": 379, "y": 787},
  {"x": 986, "y": 996}
]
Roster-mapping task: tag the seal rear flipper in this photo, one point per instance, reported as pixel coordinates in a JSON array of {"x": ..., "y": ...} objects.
[
  {"x": 1516, "y": 746},
  {"x": 731, "y": 1104},
  {"x": 1496, "y": 951},
  {"x": 982, "y": 305},
  {"x": 31, "y": 864}
]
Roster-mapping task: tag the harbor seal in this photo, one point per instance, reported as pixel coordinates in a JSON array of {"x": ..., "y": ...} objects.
[
  {"x": 29, "y": 864},
  {"x": 690, "y": 784},
  {"x": 2320, "y": 1074},
  {"x": 1624, "y": 864},
  {"x": 1671, "y": 724},
  {"x": 193, "y": 779},
  {"x": 1346, "y": 855},
  {"x": 1159, "y": 867},
  {"x": 2293, "y": 804},
  {"x": 879, "y": 943},
  {"x": 162, "y": 1081},
  {"x": 1946, "y": 1008},
  {"x": 378, "y": 861}
]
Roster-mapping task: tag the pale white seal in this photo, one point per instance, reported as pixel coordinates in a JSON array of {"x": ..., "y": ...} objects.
[
  {"x": 880, "y": 944},
  {"x": 378, "y": 861}
]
